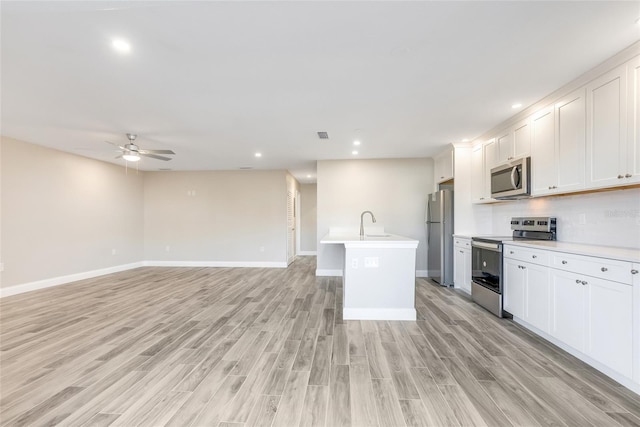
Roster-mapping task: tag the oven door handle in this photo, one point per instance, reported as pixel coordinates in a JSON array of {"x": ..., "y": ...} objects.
[{"x": 490, "y": 246}]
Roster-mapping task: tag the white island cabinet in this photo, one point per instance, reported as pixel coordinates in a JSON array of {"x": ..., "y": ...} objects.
[{"x": 379, "y": 276}]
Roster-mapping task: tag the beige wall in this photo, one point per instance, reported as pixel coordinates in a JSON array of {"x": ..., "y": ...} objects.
[
  {"x": 215, "y": 216},
  {"x": 64, "y": 214},
  {"x": 308, "y": 217},
  {"x": 395, "y": 190}
]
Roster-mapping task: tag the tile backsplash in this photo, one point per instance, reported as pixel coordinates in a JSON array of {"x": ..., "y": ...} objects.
[{"x": 610, "y": 218}]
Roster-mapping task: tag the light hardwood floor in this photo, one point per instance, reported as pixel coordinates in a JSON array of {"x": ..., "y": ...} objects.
[{"x": 244, "y": 347}]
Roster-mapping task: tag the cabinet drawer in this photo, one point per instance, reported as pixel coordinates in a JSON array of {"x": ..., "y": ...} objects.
[
  {"x": 527, "y": 255},
  {"x": 603, "y": 268},
  {"x": 461, "y": 243}
]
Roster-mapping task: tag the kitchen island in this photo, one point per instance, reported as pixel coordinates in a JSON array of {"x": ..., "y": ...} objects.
[{"x": 379, "y": 276}]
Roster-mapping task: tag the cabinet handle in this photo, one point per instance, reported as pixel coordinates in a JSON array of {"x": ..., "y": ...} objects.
[
  {"x": 550, "y": 188},
  {"x": 583, "y": 282},
  {"x": 441, "y": 177},
  {"x": 564, "y": 262},
  {"x": 461, "y": 252},
  {"x": 634, "y": 271},
  {"x": 604, "y": 269},
  {"x": 578, "y": 281},
  {"x": 511, "y": 252},
  {"x": 620, "y": 176},
  {"x": 628, "y": 175}
]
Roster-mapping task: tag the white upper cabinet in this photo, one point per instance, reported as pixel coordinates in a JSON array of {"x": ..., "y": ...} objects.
[
  {"x": 483, "y": 158},
  {"x": 543, "y": 161},
  {"x": 633, "y": 123},
  {"x": 570, "y": 117},
  {"x": 558, "y": 146},
  {"x": 607, "y": 129},
  {"x": 514, "y": 142},
  {"x": 443, "y": 166}
]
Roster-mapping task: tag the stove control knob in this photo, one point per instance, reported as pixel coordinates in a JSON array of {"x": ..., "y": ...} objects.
[
  {"x": 634, "y": 271},
  {"x": 564, "y": 262},
  {"x": 603, "y": 269},
  {"x": 578, "y": 281}
]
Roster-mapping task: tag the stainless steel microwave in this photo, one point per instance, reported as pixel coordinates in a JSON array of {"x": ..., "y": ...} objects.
[{"x": 512, "y": 180}]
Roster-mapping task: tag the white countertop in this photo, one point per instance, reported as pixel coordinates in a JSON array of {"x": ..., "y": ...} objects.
[
  {"x": 611, "y": 252},
  {"x": 370, "y": 240}
]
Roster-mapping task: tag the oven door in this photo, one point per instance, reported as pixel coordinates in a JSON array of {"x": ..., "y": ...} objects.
[{"x": 486, "y": 265}]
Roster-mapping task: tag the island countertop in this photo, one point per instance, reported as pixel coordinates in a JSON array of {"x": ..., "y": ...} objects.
[{"x": 381, "y": 240}]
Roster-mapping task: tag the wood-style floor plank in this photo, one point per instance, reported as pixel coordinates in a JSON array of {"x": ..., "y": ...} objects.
[{"x": 247, "y": 347}]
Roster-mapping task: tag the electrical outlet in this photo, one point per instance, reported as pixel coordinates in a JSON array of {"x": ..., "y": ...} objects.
[
  {"x": 582, "y": 219},
  {"x": 167, "y": 248},
  {"x": 1, "y": 266},
  {"x": 354, "y": 263},
  {"x": 113, "y": 251},
  {"x": 261, "y": 248}
]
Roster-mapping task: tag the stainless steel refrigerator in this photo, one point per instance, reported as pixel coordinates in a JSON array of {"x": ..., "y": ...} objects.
[{"x": 439, "y": 223}]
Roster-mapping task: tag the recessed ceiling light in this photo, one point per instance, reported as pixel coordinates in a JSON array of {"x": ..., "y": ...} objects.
[
  {"x": 465, "y": 140},
  {"x": 258, "y": 154},
  {"x": 121, "y": 45},
  {"x": 517, "y": 105},
  {"x": 356, "y": 142},
  {"x": 354, "y": 152},
  {"x": 308, "y": 176}
]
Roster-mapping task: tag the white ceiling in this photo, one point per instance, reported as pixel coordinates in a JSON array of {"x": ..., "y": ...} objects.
[{"x": 218, "y": 81}]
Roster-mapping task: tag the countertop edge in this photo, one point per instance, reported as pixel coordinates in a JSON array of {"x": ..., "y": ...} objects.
[{"x": 609, "y": 252}]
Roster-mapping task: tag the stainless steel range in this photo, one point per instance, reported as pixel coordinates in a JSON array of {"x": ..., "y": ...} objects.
[{"x": 486, "y": 258}]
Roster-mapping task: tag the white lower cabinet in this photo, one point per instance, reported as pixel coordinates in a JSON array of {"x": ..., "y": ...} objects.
[
  {"x": 462, "y": 264},
  {"x": 595, "y": 316},
  {"x": 609, "y": 324},
  {"x": 526, "y": 292},
  {"x": 514, "y": 287},
  {"x": 568, "y": 309}
]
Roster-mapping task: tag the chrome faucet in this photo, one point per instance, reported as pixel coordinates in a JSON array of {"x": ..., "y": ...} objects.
[{"x": 373, "y": 218}]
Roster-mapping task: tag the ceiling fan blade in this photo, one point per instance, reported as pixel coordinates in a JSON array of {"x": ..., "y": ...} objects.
[
  {"x": 156, "y": 152},
  {"x": 113, "y": 143},
  {"x": 153, "y": 156}
]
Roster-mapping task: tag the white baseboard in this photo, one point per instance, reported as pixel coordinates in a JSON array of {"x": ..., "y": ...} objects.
[
  {"x": 250, "y": 264},
  {"x": 330, "y": 273},
  {"x": 379, "y": 313},
  {"x": 422, "y": 273},
  {"x": 62, "y": 280},
  {"x": 307, "y": 253}
]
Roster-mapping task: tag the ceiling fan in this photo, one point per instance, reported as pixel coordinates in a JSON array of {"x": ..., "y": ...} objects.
[{"x": 132, "y": 153}]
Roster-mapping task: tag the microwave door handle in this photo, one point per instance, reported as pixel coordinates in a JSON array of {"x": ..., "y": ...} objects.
[{"x": 514, "y": 171}]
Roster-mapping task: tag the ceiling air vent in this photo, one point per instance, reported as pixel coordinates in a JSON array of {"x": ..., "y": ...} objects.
[{"x": 323, "y": 135}]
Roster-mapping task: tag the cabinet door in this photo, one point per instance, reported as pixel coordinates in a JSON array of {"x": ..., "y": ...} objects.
[
  {"x": 477, "y": 174},
  {"x": 522, "y": 139},
  {"x": 504, "y": 142},
  {"x": 606, "y": 131},
  {"x": 444, "y": 166},
  {"x": 537, "y": 296},
  {"x": 490, "y": 161},
  {"x": 514, "y": 288},
  {"x": 609, "y": 324},
  {"x": 568, "y": 308},
  {"x": 570, "y": 141},
  {"x": 543, "y": 161},
  {"x": 633, "y": 123},
  {"x": 458, "y": 267},
  {"x": 466, "y": 283}
]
